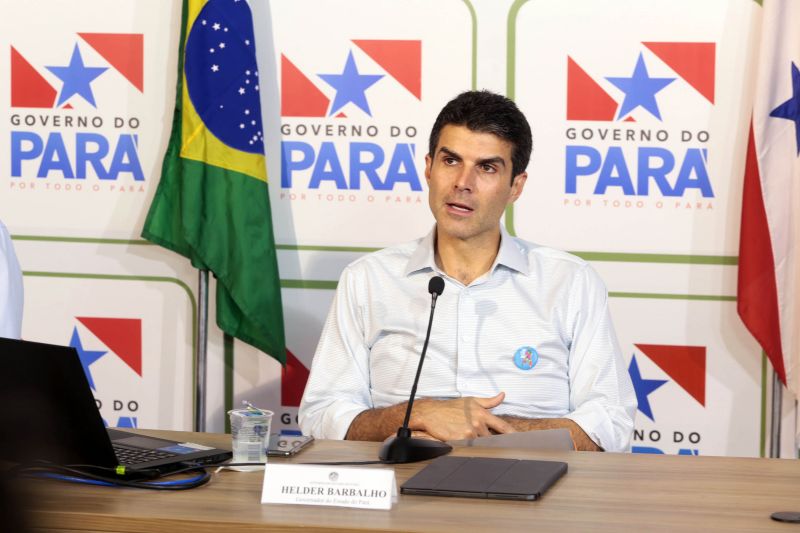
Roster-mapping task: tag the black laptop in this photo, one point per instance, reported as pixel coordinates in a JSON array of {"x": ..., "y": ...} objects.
[
  {"x": 48, "y": 413},
  {"x": 485, "y": 477}
]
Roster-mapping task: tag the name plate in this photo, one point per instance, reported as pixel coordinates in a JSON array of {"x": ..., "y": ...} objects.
[{"x": 365, "y": 488}]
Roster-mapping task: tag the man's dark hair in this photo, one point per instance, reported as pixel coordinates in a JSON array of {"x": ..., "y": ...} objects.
[{"x": 487, "y": 112}]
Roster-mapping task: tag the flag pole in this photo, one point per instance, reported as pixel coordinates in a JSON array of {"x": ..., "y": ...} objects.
[
  {"x": 775, "y": 423},
  {"x": 201, "y": 354}
]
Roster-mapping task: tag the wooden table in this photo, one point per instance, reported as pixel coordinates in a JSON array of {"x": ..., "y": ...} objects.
[{"x": 600, "y": 492}]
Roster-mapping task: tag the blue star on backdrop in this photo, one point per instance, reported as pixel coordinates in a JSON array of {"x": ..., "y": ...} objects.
[
  {"x": 87, "y": 356},
  {"x": 640, "y": 90},
  {"x": 350, "y": 86},
  {"x": 790, "y": 109},
  {"x": 77, "y": 78},
  {"x": 643, "y": 388}
]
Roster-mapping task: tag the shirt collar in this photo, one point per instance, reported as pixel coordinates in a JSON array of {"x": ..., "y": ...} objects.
[
  {"x": 422, "y": 258},
  {"x": 509, "y": 255}
]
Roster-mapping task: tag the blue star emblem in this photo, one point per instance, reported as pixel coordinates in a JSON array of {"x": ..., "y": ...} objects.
[
  {"x": 640, "y": 90},
  {"x": 87, "y": 356},
  {"x": 77, "y": 78},
  {"x": 790, "y": 109},
  {"x": 350, "y": 86},
  {"x": 643, "y": 388}
]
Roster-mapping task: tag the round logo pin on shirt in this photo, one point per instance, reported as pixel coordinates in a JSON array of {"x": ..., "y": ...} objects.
[{"x": 526, "y": 357}]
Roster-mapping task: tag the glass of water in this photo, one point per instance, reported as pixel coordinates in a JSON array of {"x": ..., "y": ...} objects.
[{"x": 250, "y": 430}]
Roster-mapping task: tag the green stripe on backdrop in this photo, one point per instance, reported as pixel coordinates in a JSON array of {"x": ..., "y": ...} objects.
[
  {"x": 661, "y": 296},
  {"x": 511, "y": 82},
  {"x": 308, "y": 284},
  {"x": 511, "y": 48},
  {"x": 84, "y": 240},
  {"x": 677, "y": 259},
  {"x": 474, "y": 48},
  {"x": 613, "y": 257},
  {"x": 320, "y": 248}
]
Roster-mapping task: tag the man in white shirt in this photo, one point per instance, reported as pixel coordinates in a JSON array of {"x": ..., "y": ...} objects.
[
  {"x": 11, "y": 292},
  {"x": 522, "y": 338}
]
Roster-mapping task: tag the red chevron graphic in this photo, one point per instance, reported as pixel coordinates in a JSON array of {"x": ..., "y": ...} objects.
[
  {"x": 122, "y": 335},
  {"x": 300, "y": 97},
  {"x": 586, "y": 100},
  {"x": 28, "y": 87},
  {"x": 401, "y": 59},
  {"x": 124, "y": 51},
  {"x": 694, "y": 62},
  {"x": 293, "y": 381},
  {"x": 685, "y": 364}
]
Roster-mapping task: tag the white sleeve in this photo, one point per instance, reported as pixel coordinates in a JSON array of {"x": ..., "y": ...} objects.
[
  {"x": 602, "y": 399},
  {"x": 338, "y": 387},
  {"x": 11, "y": 290}
]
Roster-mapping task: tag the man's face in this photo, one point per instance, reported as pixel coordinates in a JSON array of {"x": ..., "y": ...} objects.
[{"x": 469, "y": 182}]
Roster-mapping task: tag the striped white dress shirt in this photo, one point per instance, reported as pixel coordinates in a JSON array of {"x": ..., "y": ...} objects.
[{"x": 536, "y": 326}]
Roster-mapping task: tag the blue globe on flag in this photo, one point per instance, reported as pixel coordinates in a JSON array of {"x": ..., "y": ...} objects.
[{"x": 222, "y": 74}]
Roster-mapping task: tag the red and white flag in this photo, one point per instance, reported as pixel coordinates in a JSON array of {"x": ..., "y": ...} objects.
[{"x": 769, "y": 261}]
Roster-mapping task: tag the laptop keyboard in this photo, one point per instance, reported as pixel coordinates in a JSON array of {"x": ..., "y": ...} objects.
[{"x": 133, "y": 456}]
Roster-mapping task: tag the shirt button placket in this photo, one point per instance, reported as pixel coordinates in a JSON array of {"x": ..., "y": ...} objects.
[{"x": 465, "y": 334}]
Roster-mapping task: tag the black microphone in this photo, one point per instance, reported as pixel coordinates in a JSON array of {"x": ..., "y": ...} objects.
[{"x": 403, "y": 448}]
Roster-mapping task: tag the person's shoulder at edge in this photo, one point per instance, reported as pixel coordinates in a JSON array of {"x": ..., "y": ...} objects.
[{"x": 4, "y": 231}]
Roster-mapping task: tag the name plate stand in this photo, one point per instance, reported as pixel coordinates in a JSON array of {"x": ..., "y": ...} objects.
[{"x": 365, "y": 488}]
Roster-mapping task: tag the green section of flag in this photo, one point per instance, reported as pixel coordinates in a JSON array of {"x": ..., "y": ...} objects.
[{"x": 220, "y": 219}]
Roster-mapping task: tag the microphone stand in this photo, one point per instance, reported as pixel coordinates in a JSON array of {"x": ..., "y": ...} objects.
[{"x": 403, "y": 448}]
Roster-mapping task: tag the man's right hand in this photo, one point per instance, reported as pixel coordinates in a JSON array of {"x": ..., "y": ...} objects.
[{"x": 460, "y": 418}]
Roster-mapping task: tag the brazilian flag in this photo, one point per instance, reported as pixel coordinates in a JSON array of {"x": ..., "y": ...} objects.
[{"x": 212, "y": 203}]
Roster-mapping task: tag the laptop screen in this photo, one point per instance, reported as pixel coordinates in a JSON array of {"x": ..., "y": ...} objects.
[{"x": 47, "y": 410}]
